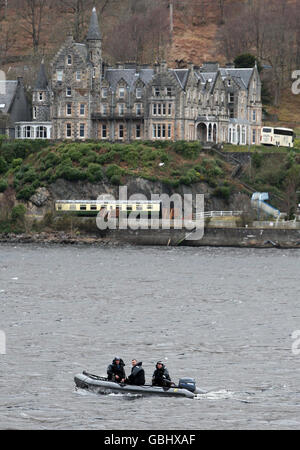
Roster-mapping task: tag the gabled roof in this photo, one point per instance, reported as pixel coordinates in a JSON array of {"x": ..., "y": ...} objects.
[
  {"x": 130, "y": 76},
  {"x": 41, "y": 81},
  {"x": 243, "y": 74},
  {"x": 181, "y": 76},
  {"x": 8, "y": 91},
  {"x": 94, "y": 30}
]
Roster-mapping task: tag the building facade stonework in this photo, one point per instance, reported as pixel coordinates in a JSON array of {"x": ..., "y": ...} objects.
[{"x": 86, "y": 99}]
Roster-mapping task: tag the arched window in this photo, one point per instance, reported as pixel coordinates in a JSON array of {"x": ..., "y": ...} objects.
[{"x": 209, "y": 132}]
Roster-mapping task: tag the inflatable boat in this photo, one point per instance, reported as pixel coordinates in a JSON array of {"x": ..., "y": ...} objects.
[{"x": 186, "y": 387}]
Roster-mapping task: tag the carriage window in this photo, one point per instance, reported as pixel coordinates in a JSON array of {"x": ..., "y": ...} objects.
[
  {"x": 82, "y": 207},
  {"x": 93, "y": 207}
]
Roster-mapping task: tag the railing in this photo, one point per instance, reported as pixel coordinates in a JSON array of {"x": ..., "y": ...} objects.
[{"x": 206, "y": 214}]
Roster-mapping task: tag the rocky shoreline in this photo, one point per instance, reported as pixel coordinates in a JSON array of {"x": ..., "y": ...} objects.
[
  {"x": 53, "y": 238},
  {"x": 213, "y": 237}
]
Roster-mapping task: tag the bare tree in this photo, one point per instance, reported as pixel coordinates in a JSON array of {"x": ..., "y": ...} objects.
[{"x": 33, "y": 15}]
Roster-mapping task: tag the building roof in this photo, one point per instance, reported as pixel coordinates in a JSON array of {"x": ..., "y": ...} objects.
[
  {"x": 94, "y": 29},
  {"x": 130, "y": 76},
  {"x": 181, "y": 76},
  {"x": 243, "y": 74},
  {"x": 8, "y": 91},
  {"x": 41, "y": 81}
]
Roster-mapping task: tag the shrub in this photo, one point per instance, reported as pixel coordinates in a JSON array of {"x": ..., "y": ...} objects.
[
  {"x": 3, "y": 165},
  {"x": 18, "y": 213},
  {"x": 94, "y": 172},
  {"x": 3, "y": 185},
  {"x": 188, "y": 150},
  {"x": 223, "y": 192},
  {"x": 25, "y": 193},
  {"x": 257, "y": 159}
]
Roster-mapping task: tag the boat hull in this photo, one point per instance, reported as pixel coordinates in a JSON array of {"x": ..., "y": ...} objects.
[{"x": 109, "y": 387}]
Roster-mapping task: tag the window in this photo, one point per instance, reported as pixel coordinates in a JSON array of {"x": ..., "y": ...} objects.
[
  {"x": 69, "y": 92},
  {"x": 154, "y": 109},
  {"x": 231, "y": 97},
  {"x": 41, "y": 96},
  {"x": 59, "y": 75},
  {"x": 28, "y": 132},
  {"x": 228, "y": 82},
  {"x": 34, "y": 112},
  {"x": 122, "y": 92},
  {"x": 78, "y": 75},
  {"x": 121, "y": 109},
  {"x": 138, "y": 131},
  {"x": 104, "y": 92},
  {"x": 169, "y": 131},
  {"x": 41, "y": 133},
  {"x": 82, "y": 130},
  {"x": 121, "y": 131},
  {"x": 82, "y": 207},
  {"x": 154, "y": 131},
  {"x": 164, "y": 109},
  {"x": 69, "y": 60},
  {"x": 104, "y": 131},
  {"x": 68, "y": 130},
  {"x": 253, "y": 136},
  {"x": 138, "y": 92},
  {"x": 69, "y": 109},
  {"x": 169, "y": 91},
  {"x": 254, "y": 115},
  {"x": 169, "y": 109},
  {"x": 104, "y": 109},
  {"x": 157, "y": 91},
  {"x": 159, "y": 109},
  {"x": 138, "y": 109},
  {"x": 82, "y": 109}
]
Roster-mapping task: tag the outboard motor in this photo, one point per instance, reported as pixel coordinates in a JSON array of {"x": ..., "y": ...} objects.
[{"x": 187, "y": 383}]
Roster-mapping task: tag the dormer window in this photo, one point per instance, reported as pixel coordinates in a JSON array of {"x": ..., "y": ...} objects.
[
  {"x": 157, "y": 91},
  {"x": 69, "y": 60},
  {"x": 121, "y": 92},
  {"x": 228, "y": 82},
  {"x": 138, "y": 92},
  {"x": 41, "y": 96},
  {"x": 169, "y": 91}
]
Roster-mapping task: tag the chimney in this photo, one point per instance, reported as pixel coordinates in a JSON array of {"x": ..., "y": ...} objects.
[{"x": 163, "y": 67}]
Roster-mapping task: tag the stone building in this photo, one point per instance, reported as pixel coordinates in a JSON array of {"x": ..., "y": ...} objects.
[{"x": 86, "y": 99}]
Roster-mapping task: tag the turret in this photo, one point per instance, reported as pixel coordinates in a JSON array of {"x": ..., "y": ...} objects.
[
  {"x": 94, "y": 42},
  {"x": 41, "y": 96}
]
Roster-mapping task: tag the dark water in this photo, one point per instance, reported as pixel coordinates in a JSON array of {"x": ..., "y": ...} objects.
[{"x": 222, "y": 316}]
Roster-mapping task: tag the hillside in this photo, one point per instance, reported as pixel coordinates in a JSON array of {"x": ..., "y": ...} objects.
[{"x": 200, "y": 27}]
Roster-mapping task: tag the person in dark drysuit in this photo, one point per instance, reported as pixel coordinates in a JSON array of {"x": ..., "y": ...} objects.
[
  {"x": 137, "y": 376},
  {"x": 116, "y": 371},
  {"x": 161, "y": 376}
]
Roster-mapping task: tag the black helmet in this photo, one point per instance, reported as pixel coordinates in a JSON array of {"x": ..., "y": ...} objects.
[{"x": 160, "y": 362}]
